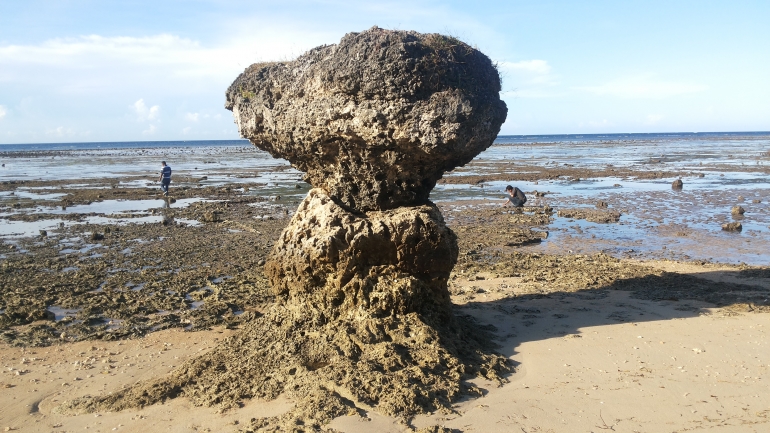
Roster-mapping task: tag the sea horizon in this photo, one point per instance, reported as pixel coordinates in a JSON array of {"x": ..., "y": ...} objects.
[{"x": 501, "y": 139}]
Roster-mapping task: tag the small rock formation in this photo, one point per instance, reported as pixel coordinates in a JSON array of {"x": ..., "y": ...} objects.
[
  {"x": 732, "y": 227},
  {"x": 601, "y": 204},
  {"x": 677, "y": 184},
  {"x": 522, "y": 237},
  {"x": 596, "y": 216},
  {"x": 737, "y": 210}
]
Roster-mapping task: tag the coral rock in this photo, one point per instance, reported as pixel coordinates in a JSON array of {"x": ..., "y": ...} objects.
[
  {"x": 377, "y": 119},
  {"x": 381, "y": 261}
]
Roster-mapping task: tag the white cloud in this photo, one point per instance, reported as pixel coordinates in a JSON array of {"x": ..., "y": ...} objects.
[
  {"x": 3, "y": 111},
  {"x": 143, "y": 113},
  {"x": 186, "y": 130},
  {"x": 192, "y": 117},
  {"x": 595, "y": 125},
  {"x": 644, "y": 87},
  {"x": 60, "y": 132},
  {"x": 652, "y": 119},
  {"x": 535, "y": 66},
  {"x": 528, "y": 78},
  {"x": 85, "y": 52},
  {"x": 170, "y": 55},
  {"x": 150, "y": 131}
]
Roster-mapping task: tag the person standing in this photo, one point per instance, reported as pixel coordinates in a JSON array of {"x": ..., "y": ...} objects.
[
  {"x": 516, "y": 197},
  {"x": 165, "y": 178}
]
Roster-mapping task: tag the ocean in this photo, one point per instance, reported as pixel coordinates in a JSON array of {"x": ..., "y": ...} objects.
[{"x": 633, "y": 173}]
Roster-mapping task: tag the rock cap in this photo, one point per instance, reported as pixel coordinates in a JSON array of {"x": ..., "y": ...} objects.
[{"x": 377, "y": 119}]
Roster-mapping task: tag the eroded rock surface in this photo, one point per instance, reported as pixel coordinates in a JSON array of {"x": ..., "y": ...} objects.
[
  {"x": 593, "y": 215},
  {"x": 377, "y": 119},
  {"x": 378, "y": 261}
]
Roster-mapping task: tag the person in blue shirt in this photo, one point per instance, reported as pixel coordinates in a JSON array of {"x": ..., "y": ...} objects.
[{"x": 165, "y": 178}]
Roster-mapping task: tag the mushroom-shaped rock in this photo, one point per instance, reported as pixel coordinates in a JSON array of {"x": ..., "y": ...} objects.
[
  {"x": 375, "y": 120},
  {"x": 362, "y": 307}
]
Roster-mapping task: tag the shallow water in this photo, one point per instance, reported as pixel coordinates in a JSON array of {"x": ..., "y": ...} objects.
[
  {"x": 651, "y": 151},
  {"x": 734, "y": 170},
  {"x": 117, "y": 212},
  {"x": 124, "y": 163}
]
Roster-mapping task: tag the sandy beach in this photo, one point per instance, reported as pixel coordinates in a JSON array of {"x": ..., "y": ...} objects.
[
  {"x": 585, "y": 361},
  {"x": 615, "y": 316}
]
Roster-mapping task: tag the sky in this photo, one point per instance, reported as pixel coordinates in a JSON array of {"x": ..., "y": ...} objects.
[{"x": 94, "y": 70}]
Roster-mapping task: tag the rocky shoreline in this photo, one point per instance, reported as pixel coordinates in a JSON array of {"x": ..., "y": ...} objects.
[{"x": 124, "y": 281}]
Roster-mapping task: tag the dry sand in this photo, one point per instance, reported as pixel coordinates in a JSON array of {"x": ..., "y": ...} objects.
[{"x": 585, "y": 361}]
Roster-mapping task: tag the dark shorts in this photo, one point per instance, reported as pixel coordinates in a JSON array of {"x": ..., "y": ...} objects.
[{"x": 516, "y": 202}]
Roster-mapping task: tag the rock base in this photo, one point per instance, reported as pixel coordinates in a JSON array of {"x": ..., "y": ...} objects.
[
  {"x": 376, "y": 264},
  {"x": 363, "y": 320}
]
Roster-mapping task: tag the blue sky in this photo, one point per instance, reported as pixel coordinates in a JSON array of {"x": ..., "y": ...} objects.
[{"x": 83, "y": 70}]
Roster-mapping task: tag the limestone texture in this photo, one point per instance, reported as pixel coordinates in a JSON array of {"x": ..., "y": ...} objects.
[
  {"x": 377, "y": 119},
  {"x": 359, "y": 260}
]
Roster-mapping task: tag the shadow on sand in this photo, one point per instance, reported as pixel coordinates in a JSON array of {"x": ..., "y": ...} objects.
[{"x": 518, "y": 319}]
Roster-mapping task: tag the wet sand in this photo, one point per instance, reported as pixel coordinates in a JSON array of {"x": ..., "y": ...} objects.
[{"x": 651, "y": 320}]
